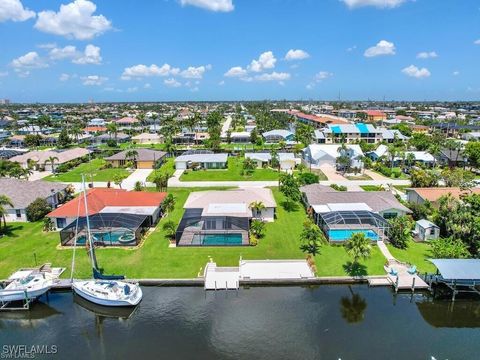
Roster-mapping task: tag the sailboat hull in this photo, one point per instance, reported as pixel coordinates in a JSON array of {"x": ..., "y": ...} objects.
[{"x": 84, "y": 290}]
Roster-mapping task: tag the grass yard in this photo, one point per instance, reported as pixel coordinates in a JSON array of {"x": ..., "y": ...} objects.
[
  {"x": 233, "y": 173},
  {"x": 321, "y": 175},
  {"x": 372, "y": 187},
  {"x": 94, "y": 167},
  {"x": 416, "y": 253},
  {"x": 358, "y": 177},
  {"x": 402, "y": 187},
  {"x": 168, "y": 167},
  {"x": 154, "y": 259}
]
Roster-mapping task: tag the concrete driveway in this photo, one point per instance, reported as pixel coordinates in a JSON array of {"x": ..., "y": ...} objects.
[
  {"x": 331, "y": 173},
  {"x": 138, "y": 175}
]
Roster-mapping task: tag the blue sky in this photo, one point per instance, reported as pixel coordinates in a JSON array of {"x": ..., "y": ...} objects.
[{"x": 134, "y": 50}]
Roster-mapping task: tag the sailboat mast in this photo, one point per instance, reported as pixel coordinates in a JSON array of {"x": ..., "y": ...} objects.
[{"x": 89, "y": 234}]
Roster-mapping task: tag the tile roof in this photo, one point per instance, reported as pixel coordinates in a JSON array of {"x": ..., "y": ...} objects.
[
  {"x": 435, "y": 193},
  {"x": 99, "y": 198},
  {"x": 23, "y": 193}
]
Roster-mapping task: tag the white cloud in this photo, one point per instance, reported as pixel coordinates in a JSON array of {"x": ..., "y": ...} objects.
[
  {"x": 427, "y": 55},
  {"x": 456, "y": 73},
  {"x": 147, "y": 86},
  {"x": 195, "y": 72},
  {"x": 322, "y": 75},
  {"x": 296, "y": 55},
  {"x": 132, "y": 89},
  {"x": 64, "y": 77},
  {"x": 381, "y": 4},
  {"x": 477, "y": 42},
  {"x": 351, "y": 48},
  {"x": 221, "y": 83},
  {"x": 47, "y": 46},
  {"x": 93, "y": 80},
  {"x": 212, "y": 5},
  {"x": 415, "y": 72},
  {"x": 139, "y": 71},
  {"x": 74, "y": 20},
  {"x": 91, "y": 55},
  {"x": 172, "y": 82},
  {"x": 3, "y": 73},
  {"x": 236, "y": 71},
  {"x": 30, "y": 60},
  {"x": 265, "y": 61},
  {"x": 13, "y": 10},
  {"x": 68, "y": 52},
  {"x": 274, "y": 76},
  {"x": 383, "y": 47},
  {"x": 194, "y": 89}
]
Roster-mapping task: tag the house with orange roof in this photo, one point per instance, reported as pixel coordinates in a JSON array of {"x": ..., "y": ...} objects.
[
  {"x": 375, "y": 115},
  {"x": 110, "y": 201},
  {"x": 433, "y": 194}
]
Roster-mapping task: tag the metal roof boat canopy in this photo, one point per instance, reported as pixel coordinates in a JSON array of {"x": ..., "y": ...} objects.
[{"x": 458, "y": 269}]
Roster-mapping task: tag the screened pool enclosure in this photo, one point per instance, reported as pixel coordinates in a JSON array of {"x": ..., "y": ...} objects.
[
  {"x": 107, "y": 229},
  {"x": 341, "y": 225}
]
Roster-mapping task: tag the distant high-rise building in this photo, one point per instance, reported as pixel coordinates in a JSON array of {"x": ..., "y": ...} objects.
[{"x": 4, "y": 101}]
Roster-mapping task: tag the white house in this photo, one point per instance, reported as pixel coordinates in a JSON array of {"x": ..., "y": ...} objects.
[
  {"x": 206, "y": 161},
  {"x": 319, "y": 154}
]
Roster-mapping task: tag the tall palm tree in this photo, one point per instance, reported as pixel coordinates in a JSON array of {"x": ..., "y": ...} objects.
[
  {"x": 112, "y": 128},
  {"x": 4, "y": 201},
  {"x": 32, "y": 164},
  {"x": 132, "y": 154},
  {"x": 51, "y": 160},
  {"x": 358, "y": 247}
]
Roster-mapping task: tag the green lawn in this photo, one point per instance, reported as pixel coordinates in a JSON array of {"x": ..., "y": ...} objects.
[
  {"x": 359, "y": 177},
  {"x": 168, "y": 167},
  {"x": 233, "y": 173},
  {"x": 372, "y": 187},
  {"x": 415, "y": 254},
  {"x": 154, "y": 259},
  {"x": 402, "y": 187},
  {"x": 402, "y": 176},
  {"x": 321, "y": 175},
  {"x": 92, "y": 171}
]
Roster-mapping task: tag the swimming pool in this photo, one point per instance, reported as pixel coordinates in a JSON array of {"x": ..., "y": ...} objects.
[
  {"x": 118, "y": 237},
  {"x": 343, "y": 235},
  {"x": 217, "y": 239}
]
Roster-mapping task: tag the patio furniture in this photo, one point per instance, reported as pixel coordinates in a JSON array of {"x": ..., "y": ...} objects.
[{"x": 412, "y": 270}]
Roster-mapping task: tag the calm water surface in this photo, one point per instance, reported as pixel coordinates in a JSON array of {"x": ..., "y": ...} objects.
[{"x": 327, "y": 322}]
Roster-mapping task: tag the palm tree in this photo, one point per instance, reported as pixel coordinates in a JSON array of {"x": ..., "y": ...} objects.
[
  {"x": 112, "y": 128},
  {"x": 257, "y": 207},
  {"x": 168, "y": 204},
  {"x": 358, "y": 247},
  {"x": 32, "y": 164},
  {"x": 26, "y": 173},
  {"x": 51, "y": 160},
  {"x": 410, "y": 159},
  {"x": 169, "y": 147},
  {"x": 132, "y": 154},
  {"x": 4, "y": 201}
]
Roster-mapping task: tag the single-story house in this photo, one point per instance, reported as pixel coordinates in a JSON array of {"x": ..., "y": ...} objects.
[
  {"x": 274, "y": 136},
  {"x": 420, "y": 157},
  {"x": 147, "y": 138},
  {"x": 96, "y": 122},
  {"x": 470, "y": 136},
  {"x": 222, "y": 217},
  {"x": 433, "y": 194},
  {"x": 390, "y": 135},
  {"x": 144, "y": 158},
  {"x": 127, "y": 121},
  {"x": 341, "y": 213},
  {"x": 104, "y": 138},
  {"x": 287, "y": 161},
  {"x": 381, "y": 150},
  {"x": 240, "y": 137},
  {"x": 22, "y": 193},
  {"x": 110, "y": 201},
  {"x": 319, "y": 154},
  {"x": 205, "y": 159},
  {"x": 449, "y": 157},
  {"x": 42, "y": 157},
  {"x": 426, "y": 230},
  {"x": 93, "y": 129}
]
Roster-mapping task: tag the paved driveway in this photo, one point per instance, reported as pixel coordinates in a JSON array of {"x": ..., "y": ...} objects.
[
  {"x": 138, "y": 175},
  {"x": 330, "y": 172}
]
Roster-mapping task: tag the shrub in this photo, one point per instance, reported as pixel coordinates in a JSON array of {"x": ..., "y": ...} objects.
[
  {"x": 399, "y": 232},
  {"x": 253, "y": 240},
  {"x": 396, "y": 172},
  {"x": 307, "y": 178},
  {"x": 111, "y": 143},
  {"x": 338, "y": 187},
  {"x": 38, "y": 209},
  {"x": 449, "y": 248}
]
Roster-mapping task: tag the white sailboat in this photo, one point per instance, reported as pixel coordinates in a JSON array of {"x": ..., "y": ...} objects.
[
  {"x": 103, "y": 289},
  {"x": 27, "y": 288}
]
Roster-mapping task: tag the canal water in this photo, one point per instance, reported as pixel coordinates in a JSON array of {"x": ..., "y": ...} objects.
[{"x": 325, "y": 322}]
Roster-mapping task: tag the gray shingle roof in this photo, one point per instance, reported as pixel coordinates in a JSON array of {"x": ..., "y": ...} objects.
[
  {"x": 377, "y": 200},
  {"x": 23, "y": 193},
  {"x": 143, "y": 155}
]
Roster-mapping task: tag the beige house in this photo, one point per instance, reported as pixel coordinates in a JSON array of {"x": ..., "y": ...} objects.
[
  {"x": 42, "y": 157},
  {"x": 147, "y": 138},
  {"x": 143, "y": 158}
]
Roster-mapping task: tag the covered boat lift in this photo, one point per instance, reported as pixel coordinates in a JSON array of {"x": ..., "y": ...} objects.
[{"x": 459, "y": 275}]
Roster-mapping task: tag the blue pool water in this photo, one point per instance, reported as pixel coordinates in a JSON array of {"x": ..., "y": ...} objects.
[
  {"x": 114, "y": 238},
  {"x": 343, "y": 235},
  {"x": 218, "y": 239}
]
